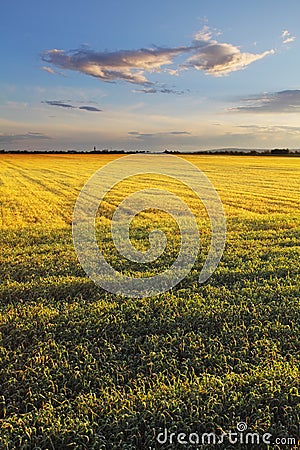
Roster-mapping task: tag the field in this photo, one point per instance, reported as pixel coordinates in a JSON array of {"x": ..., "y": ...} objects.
[{"x": 85, "y": 369}]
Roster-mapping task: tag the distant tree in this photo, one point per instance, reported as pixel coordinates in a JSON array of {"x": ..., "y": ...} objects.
[{"x": 280, "y": 151}]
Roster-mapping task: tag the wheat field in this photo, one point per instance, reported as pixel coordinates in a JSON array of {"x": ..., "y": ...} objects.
[{"x": 85, "y": 369}]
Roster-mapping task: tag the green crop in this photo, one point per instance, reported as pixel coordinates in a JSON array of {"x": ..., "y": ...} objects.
[{"x": 84, "y": 369}]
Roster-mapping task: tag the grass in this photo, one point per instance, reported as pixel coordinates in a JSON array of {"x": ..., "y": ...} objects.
[{"x": 84, "y": 369}]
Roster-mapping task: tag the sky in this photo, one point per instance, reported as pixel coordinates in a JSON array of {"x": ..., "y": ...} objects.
[{"x": 188, "y": 75}]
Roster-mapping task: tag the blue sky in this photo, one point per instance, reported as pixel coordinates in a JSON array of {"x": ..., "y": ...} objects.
[{"x": 150, "y": 75}]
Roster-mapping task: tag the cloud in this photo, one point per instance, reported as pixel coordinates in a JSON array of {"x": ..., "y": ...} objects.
[
  {"x": 90, "y": 108},
  {"x": 52, "y": 71},
  {"x": 204, "y": 35},
  {"x": 62, "y": 104},
  {"x": 219, "y": 59},
  {"x": 287, "y": 37},
  {"x": 58, "y": 103},
  {"x": 161, "y": 91},
  {"x": 48, "y": 69},
  {"x": 204, "y": 53},
  {"x": 287, "y": 101},
  {"x": 30, "y": 135},
  {"x": 137, "y": 134},
  {"x": 272, "y": 129},
  {"x": 126, "y": 65}
]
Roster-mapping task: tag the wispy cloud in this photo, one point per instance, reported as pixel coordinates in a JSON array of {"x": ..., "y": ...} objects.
[
  {"x": 58, "y": 103},
  {"x": 287, "y": 38},
  {"x": 137, "y": 134},
  {"x": 29, "y": 136},
  {"x": 204, "y": 53},
  {"x": 161, "y": 91},
  {"x": 272, "y": 129},
  {"x": 90, "y": 108},
  {"x": 62, "y": 104},
  {"x": 287, "y": 101},
  {"x": 204, "y": 35},
  {"x": 52, "y": 71},
  {"x": 49, "y": 70}
]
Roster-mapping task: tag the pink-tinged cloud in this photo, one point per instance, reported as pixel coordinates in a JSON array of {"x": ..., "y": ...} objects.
[
  {"x": 204, "y": 53},
  {"x": 219, "y": 59},
  {"x": 127, "y": 65}
]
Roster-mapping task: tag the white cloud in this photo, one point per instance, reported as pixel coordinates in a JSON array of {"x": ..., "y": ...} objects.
[
  {"x": 203, "y": 35},
  {"x": 287, "y": 37},
  {"x": 288, "y": 40}
]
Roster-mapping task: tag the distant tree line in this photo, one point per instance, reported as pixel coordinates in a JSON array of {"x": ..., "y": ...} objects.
[
  {"x": 274, "y": 152},
  {"x": 74, "y": 152}
]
